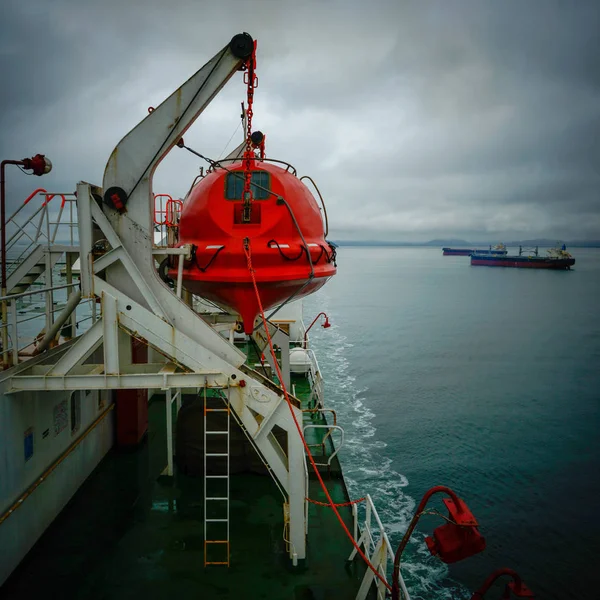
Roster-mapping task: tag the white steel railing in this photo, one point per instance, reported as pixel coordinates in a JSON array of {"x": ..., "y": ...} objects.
[
  {"x": 30, "y": 330},
  {"x": 167, "y": 212},
  {"x": 317, "y": 385},
  {"x": 26, "y": 231},
  {"x": 31, "y": 246},
  {"x": 378, "y": 550}
]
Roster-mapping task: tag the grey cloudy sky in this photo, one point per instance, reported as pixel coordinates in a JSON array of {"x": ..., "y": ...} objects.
[{"x": 477, "y": 119}]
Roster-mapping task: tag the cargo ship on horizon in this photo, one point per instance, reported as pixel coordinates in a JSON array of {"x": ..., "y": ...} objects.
[
  {"x": 498, "y": 250},
  {"x": 557, "y": 258}
]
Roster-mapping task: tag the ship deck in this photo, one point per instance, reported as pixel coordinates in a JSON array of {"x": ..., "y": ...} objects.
[{"x": 130, "y": 531}]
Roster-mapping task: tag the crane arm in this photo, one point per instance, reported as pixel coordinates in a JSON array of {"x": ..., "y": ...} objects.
[{"x": 135, "y": 158}]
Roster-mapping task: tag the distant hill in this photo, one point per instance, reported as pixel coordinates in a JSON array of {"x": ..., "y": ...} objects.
[
  {"x": 452, "y": 242},
  {"x": 456, "y": 243}
]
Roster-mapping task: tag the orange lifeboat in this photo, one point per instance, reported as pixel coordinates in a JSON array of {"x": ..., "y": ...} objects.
[{"x": 281, "y": 223}]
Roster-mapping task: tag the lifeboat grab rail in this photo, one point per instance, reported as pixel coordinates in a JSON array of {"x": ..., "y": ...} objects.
[
  {"x": 322, "y": 202},
  {"x": 289, "y": 167}
]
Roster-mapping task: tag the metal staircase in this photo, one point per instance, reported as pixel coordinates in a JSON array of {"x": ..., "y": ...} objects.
[
  {"x": 31, "y": 253},
  {"x": 216, "y": 484},
  {"x": 41, "y": 260}
]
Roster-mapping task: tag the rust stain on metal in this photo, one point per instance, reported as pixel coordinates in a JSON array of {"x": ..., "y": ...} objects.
[
  {"x": 178, "y": 98},
  {"x": 113, "y": 160}
]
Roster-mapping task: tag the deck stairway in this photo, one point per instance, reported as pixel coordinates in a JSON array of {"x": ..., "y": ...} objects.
[
  {"x": 40, "y": 261},
  {"x": 31, "y": 244}
]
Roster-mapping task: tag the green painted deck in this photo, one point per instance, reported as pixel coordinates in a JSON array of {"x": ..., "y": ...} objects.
[{"x": 131, "y": 533}]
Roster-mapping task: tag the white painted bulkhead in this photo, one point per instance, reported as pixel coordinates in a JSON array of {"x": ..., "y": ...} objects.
[{"x": 55, "y": 421}]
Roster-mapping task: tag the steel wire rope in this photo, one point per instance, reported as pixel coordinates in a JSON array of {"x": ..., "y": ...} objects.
[
  {"x": 178, "y": 120},
  {"x": 248, "y": 253},
  {"x": 259, "y": 354},
  {"x": 229, "y": 141}
]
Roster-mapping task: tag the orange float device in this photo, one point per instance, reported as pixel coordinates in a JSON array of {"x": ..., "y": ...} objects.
[{"x": 279, "y": 220}]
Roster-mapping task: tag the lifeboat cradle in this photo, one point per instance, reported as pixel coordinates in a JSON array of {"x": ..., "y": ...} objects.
[{"x": 187, "y": 353}]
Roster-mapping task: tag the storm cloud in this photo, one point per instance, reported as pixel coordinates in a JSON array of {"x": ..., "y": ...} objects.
[{"x": 417, "y": 119}]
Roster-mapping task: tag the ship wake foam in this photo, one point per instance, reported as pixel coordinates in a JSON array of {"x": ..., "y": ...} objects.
[{"x": 368, "y": 470}]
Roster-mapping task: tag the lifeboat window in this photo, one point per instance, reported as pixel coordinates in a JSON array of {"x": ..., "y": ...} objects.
[{"x": 234, "y": 185}]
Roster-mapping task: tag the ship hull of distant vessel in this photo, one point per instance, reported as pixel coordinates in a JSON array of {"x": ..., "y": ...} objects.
[{"x": 523, "y": 262}]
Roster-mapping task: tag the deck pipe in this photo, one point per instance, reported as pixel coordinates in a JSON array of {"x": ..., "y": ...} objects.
[{"x": 72, "y": 303}]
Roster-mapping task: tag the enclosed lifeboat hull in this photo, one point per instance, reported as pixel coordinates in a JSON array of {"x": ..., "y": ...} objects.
[{"x": 213, "y": 221}]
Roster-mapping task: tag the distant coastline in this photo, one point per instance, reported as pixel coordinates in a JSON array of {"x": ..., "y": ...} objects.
[{"x": 543, "y": 243}]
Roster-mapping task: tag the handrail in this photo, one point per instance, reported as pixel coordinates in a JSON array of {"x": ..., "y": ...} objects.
[
  {"x": 173, "y": 214},
  {"x": 33, "y": 292},
  {"x": 317, "y": 380},
  {"x": 31, "y": 230},
  {"x": 35, "y": 236},
  {"x": 52, "y": 327},
  {"x": 378, "y": 548},
  {"x": 321, "y": 410},
  {"x": 43, "y": 192},
  {"x": 160, "y": 210},
  {"x": 330, "y": 427},
  {"x": 322, "y": 202},
  {"x": 166, "y": 219}
]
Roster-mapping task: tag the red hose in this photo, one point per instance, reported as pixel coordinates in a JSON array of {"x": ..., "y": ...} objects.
[{"x": 248, "y": 254}]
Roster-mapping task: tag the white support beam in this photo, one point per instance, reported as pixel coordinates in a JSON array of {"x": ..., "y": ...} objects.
[
  {"x": 106, "y": 259},
  {"x": 169, "y": 419},
  {"x": 104, "y": 224},
  {"x": 120, "y": 253},
  {"x": 84, "y": 218},
  {"x": 162, "y": 335},
  {"x": 110, "y": 331},
  {"x": 79, "y": 351},
  {"x": 89, "y": 381},
  {"x": 297, "y": 493},
  {"x": 282, "y": 340}
]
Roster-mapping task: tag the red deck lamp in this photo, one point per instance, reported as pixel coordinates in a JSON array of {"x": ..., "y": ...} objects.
[
  {"x": 515, "y": 587},
  {"x": 325, "y": 325},
  {"x": 40, "y": 165},
  {"x": 459, "y": 538}
]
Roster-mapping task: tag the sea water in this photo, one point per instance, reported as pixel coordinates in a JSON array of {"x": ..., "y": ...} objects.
[{"x": 483, "y": 379}]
